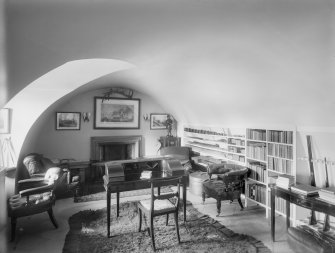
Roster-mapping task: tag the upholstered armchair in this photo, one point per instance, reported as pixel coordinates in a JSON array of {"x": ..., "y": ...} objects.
[
  {"x": 182, "y": 154},
  {"x": 32, "y": 200},
  {"x": 228, "y": 184},
  {"x": 37, "y": 170}
]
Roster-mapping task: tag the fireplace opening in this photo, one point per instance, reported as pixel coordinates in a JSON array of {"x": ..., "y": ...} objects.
[
  {"x": 109, "y": 148},
  {"x": 113, "y": 151}
]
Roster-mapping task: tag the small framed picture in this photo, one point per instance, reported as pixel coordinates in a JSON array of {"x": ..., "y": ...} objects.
[
  {"x": 158, "y": 121},
  {"x": 68, "y": 120},
  {"x": 116, "y": 113},
  {"x": 4, "y": 121}
]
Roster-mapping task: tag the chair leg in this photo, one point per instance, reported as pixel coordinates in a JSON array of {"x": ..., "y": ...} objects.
[
  {"x": 167, "y": 219},
  {"x": 177, "y": 226},
  {"x": 139, "y": 220},
  {"x": 152, "y": 233},
  {"x": 218, "y": 207},
  {"x": 13, "y": 223},
  {"x": 52, "y": 218}
]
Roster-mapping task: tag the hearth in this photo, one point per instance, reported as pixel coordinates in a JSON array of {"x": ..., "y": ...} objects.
[{"x": 107, "y": 148}]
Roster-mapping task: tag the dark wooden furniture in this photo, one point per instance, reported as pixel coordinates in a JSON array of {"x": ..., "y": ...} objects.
[
  {"x": 312, "y": 203},
  {"x": 31, "y": 201},
  {"x": 169, "y": 141},
  {"x": 159, "y": 205},
  {"x": 133, "y": 170},
  {"x": 218, "y": 190},
  {"x": 229, "y": 184}
]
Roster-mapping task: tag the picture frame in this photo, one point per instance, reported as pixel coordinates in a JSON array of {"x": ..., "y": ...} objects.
[
  {"x": 4, "y": 121},
  {"x": 116, "y": 113},
  {"x": 68, "y": 120},
  {"x": 158, "y": 121}
]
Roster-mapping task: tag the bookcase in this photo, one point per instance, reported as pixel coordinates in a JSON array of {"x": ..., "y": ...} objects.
[
  {"x": 266, "y": 152},
  {"x": 270, "y": 152}
]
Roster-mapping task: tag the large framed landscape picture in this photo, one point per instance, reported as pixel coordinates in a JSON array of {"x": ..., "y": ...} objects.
[
  {"x": 116, "y": 113},
  {"x": 68, "y": 120}
]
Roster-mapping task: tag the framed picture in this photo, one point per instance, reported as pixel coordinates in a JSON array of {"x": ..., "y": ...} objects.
[
  {"x": 158, "y": 120},
  {"x": 116, "y": 113},
  {"x": 68, "y": 120},
  {"x": 4, "y": 121}
]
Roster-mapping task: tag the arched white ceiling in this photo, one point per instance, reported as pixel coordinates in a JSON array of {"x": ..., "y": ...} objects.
[{"x": 36, "y": 97}]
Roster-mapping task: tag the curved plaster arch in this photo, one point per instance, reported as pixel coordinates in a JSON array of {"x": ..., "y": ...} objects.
[{"x": 52, "y": 86}]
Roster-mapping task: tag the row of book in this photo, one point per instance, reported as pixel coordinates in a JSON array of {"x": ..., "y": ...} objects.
[
  {"x": 235, "y": 157},
  {"x": 236, "y": 150},
  {"x": 256, "y": 134},
  {"x": 280, "y": 136},
  {"x": 257, "y": 192},
  {"x": 280, "y": 204},
  {"x": 280, "y": 165},
  {"x": 280, "y": 150},
  {"x": 257, "y": 171},
  {"x": 237, "y": 142},
  {"x": 257, "y": 151}
]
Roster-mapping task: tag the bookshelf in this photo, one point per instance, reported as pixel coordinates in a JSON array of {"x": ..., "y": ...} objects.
[
  {"x": 226, "y": 144},
  {"x": 269, "y": 154}
]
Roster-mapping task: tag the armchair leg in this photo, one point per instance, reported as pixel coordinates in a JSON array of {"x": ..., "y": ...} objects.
[
  {"x": 13, "y": 223},
  {"x": 52, "y": 218},
  {"x": 218, "y": 207},
  {"x": 167, "y": 219},
  {"x": 240, "y": 202}
]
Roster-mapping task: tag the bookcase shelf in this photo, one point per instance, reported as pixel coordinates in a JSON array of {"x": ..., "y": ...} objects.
[{"x": 266, "y": 152}]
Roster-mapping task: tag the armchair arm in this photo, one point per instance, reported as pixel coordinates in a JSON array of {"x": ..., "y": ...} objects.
[
  {"x": 36, "y": 190},
  {"x": 31, "y": 183}
]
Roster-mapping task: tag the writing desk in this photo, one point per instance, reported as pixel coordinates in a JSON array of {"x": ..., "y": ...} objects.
[
  {"x": 312, "y": 203},
  {"x": 133, "y": 169}
]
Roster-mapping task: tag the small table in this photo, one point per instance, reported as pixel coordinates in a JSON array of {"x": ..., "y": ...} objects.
[
  {"x": 217, "y": 189},
  {"x": 312, "y": 203}
]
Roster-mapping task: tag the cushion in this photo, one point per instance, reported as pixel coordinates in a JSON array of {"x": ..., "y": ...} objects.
[
  {"x": 52, "y": 174},
  {"x": 217, "y": 168},
  {"x": 33, "y": 164},
  {"x": 160, "y": 205}
]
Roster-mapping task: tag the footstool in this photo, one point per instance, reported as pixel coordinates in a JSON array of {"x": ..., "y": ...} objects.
[{"x": 218, "y": 190}]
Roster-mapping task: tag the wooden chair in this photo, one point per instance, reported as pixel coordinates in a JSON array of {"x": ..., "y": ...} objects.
[{"x": 161, "y": 205}]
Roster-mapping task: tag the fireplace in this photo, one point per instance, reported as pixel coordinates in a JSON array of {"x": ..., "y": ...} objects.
[{"x": 107, "y": 148}]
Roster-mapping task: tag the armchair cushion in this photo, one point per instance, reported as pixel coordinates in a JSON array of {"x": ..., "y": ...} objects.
[{"x": 227, "y": 170}]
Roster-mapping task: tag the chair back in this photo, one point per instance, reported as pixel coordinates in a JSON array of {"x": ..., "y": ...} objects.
[{"x": 174, "y": 196}]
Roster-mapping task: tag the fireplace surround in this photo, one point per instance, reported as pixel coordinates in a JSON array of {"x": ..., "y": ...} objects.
[{"x": 105, "y": 148}]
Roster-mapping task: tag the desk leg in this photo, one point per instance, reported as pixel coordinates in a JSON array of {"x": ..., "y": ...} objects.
[
  {"x": 108, "y": 197},
  {"x": 288, "y": 213},
  {"x": 117, "y": 204},
  {"x": 273, "y": 214},
  {"x": 184, "y": 199}
]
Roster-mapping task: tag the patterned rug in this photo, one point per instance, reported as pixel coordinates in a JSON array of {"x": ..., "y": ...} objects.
[{"x": 201, "y": 233}]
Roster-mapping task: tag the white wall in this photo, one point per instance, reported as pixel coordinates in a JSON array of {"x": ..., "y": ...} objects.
[{"x": 45, "y": 139}]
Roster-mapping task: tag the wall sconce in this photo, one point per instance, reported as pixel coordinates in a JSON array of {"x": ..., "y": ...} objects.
[
  {"x": 146, "y": 117},
  {"x": 86, "y": 116}
]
